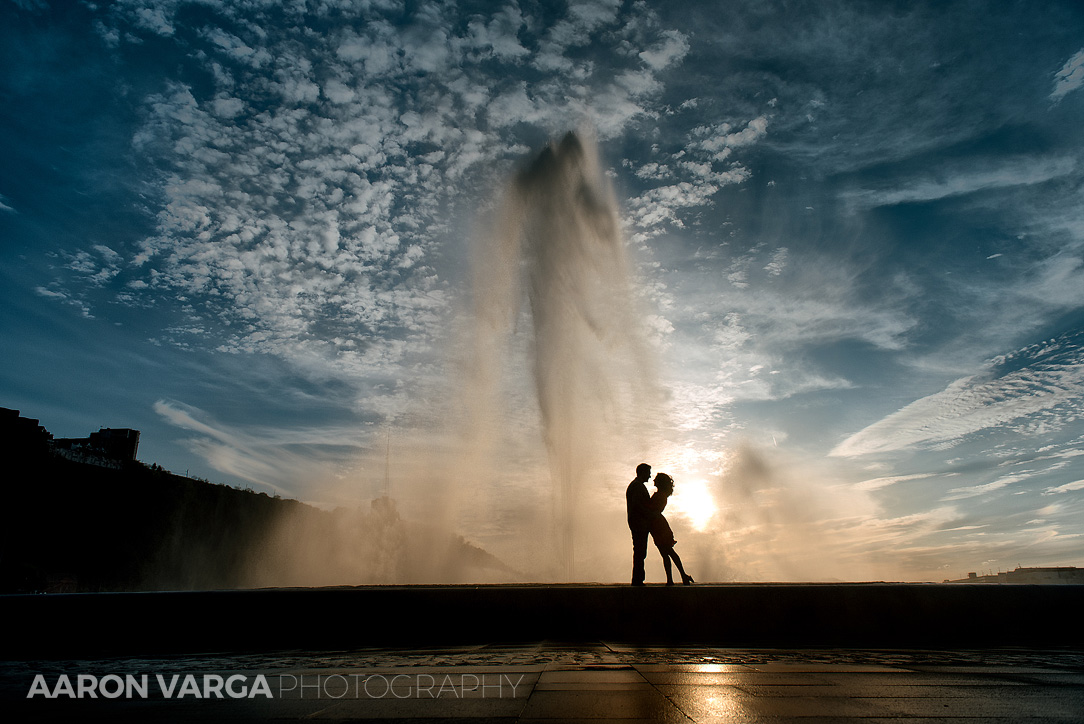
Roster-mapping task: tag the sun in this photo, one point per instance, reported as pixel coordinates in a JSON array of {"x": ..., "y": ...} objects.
[{"x": 693, "y": 500}]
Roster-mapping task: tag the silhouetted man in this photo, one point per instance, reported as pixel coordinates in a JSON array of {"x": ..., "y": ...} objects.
[{"x": 637, "y": 503}]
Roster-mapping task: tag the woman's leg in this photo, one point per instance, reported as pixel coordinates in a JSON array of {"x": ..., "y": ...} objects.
[
  {"x": 666, "y": 563},
  {"x": 685, "y": 578},
  {"x": 677, "y": 560}
]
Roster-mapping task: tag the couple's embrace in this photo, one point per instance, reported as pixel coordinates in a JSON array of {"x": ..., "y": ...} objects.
[{"x": 646, "y": 518}]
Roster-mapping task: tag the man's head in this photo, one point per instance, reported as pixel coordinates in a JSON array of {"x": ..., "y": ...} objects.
[{"x": 643, "y": 472}]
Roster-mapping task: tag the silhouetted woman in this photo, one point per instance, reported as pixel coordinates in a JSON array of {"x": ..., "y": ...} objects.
[{"x": 660, "y": 529}]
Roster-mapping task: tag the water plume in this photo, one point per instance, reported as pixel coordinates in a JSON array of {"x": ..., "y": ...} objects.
[
  {"x": 786, "y": 518},
  {"x": 556, "y": 243}
]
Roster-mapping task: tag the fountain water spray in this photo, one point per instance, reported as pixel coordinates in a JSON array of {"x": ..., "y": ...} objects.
[{"x": 558, "y": 239}]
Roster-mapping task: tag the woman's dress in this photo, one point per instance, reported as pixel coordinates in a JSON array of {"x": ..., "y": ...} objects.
[{"x": 661, "y": 534}]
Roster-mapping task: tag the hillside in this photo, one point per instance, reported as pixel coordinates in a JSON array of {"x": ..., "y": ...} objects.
[{"x": 67, "y": 526}]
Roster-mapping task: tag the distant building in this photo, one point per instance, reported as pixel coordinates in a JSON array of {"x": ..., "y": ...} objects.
[
  {"x": 109, "y": 447},
  {"x": 23, "y": 434},
  {"x": 1061, "y": 574}
]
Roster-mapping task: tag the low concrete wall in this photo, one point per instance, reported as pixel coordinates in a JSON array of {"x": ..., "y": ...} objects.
[{"x": 871, "y": 615}]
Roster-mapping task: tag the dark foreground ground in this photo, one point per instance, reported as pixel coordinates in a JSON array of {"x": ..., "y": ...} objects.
[
  {"x": 725, "y": 653},
  {"x": 856, "y": 615}
]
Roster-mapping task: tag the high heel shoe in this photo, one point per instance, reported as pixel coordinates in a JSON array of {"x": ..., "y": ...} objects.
[{"x": 687, "y": 580}]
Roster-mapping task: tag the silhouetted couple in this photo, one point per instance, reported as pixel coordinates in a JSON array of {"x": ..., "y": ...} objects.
[{"x": 646, "y": 518}]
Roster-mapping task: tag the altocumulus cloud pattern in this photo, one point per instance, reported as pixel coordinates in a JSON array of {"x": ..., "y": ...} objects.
[{"x": 856, "y": 248}]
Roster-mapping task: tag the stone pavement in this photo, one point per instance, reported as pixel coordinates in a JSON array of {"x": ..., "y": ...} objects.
[{"x": 553, "y": 682}]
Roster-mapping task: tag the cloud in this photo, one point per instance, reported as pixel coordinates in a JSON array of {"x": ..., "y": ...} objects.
[
  {"x": 743, "y": 330},
  {"x": 584, "y": 18},
  {"x": 55, "y": 291},
  {"x": 293, "y": 461},
  {"x": 1069, "y": 78},
  {"x": 1056, "y": 281},
  {"x": 718, "y": 140},
  {"x": 236, "y": 49},
  {"x": 228, "y": 107},
  {"x": 693, "y": 175},
  {"x": 698, "y": 406},
  {"x": 671, "y": 48},
  {"x": 313, "y": 170},
  {"x": 500, "y": 36},
  {"x": 1067, "y": 488},
  {"x": 959, "y": 181},
  {"x": 800, "y": 313},
  {"x": 778, "y": 262},
  {"x": 312, "y": 191},
  {"x": 155, "y": 19},
  {"x": 878, "y": 483},
  {"x": 974, "y": 491},
  {"x": 1043, "y": 378}
]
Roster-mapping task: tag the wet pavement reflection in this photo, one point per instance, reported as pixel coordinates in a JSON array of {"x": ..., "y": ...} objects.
[{"x": 554, "y": 682}]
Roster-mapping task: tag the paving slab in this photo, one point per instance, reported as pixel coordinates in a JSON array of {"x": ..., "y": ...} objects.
[
  {"x": 1038, "y": 705},
  {"x": 866, "y": 691},
  {"x": 585, "y": 686},
  {"x": 685, "y": 678},
  {"x": 703, "y": 702},
  {"x": 993, "y": 677},
  {"x": 423, "y": 708},
  {"x": 650, "y": 704},
  {"x": 594, "y": 676},
  {"x": 555, "y": 682}
]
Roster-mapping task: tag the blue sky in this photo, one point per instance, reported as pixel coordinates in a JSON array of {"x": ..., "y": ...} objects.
[{"x": 855, "y": 234}]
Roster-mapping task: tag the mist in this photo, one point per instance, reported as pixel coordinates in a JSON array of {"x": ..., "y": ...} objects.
[
  {"x": 783, "y": 518},
  {"x": 552, "y": 266},
  {"x": 552, "y": 396}
]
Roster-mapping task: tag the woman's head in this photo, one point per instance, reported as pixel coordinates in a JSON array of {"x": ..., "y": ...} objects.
[{"x": 664, "y": 482}]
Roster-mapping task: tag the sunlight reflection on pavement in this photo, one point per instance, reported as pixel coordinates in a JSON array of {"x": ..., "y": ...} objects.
[{"x": 592, "y": 681}]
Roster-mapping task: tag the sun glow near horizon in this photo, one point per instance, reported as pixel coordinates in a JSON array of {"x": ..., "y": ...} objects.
[{"x": 693, "y": 499}]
